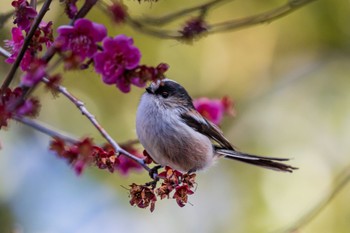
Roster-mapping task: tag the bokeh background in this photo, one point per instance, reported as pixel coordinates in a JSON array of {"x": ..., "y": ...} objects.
[{"x": 290, "y": 83}]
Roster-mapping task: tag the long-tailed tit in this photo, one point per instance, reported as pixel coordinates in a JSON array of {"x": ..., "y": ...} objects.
[{"x": 174, "y": 134}]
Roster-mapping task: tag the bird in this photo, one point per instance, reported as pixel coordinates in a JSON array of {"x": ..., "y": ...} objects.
[{"x": 176, "y": 135}]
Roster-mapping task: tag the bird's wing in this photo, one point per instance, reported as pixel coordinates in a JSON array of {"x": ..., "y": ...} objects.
[{"x": 196, "y": 121}]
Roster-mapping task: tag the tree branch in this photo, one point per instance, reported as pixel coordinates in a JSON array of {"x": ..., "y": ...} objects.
[
  {"x": 266, "y": 17},
  {"x": 151, "y": 26},
  {"x": 341, "y": 181},
  {"x": 25, "y": 45},
  {"x": 41, "y": 127},
  {"x": 174, "y": 16},
  {"x": 80, "y": 105}
]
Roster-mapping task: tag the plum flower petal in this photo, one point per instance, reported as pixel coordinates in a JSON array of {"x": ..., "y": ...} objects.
[
  {"x": 71, "y": 8},
  {"x": 118, "y": 11},
  {"x": 213, "y": 110},
  {"x": 24, "y": 14},
  {"x": 123, "y": 85},
  {"x": 36, "y": 72},
  {"x": 119, "y": 56},
  {"x": 81, "y": 38},
  {"x": 15, "y": 44}
]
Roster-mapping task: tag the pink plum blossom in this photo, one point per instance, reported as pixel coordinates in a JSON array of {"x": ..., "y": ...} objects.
[
  {"x": 15, "y": 46},
  {"x": 119, "y": 55},
  {"x": 214, "y": 109},
  {"x": 81, "y": 38},
  {"x": 24, "y": 14},
  {"x": 35, "y": 73}
]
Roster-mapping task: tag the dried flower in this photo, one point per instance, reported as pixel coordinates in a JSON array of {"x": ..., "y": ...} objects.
[
  {"x": 11, "y": 104},
  {"x": 78, "y": 155},
  {"x": 181, "y": 194},
  {"x": 142, "y": 196},
  {"x": 193, "y": 29}
]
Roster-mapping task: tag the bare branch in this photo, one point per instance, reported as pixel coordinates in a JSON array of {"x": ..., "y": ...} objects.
[
  {"x": 151, "y": 26},
  {"x": 80, "y": 105},
  {"x": 266, "y": 17},
  {"x": 41, "y": 127},
  {"x": 340, "y": 182},
  {"x": 174, "y": 16}
]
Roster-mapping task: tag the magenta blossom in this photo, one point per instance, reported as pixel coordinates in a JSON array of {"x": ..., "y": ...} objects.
[
  {"x": 214, "y": 109},
  {"x": 71, "y": 8},
  {"x": 118, "y": 11},
  {"x": 42, "y": 38},
  {"x": 24, "y": 14},
  {"x": 35, "y": 73},
  {"x": 15, "y": 46},
  {"x": 119, "y": 55},
  {"x": 81, "y": 38},
  {"x": 125, "y": 164}
]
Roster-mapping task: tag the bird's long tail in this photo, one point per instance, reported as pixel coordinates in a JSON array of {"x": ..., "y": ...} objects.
[{"x": 266, "y": 162}]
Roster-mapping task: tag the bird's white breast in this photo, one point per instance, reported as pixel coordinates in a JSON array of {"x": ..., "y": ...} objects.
[{"x": 168, "y": 140}]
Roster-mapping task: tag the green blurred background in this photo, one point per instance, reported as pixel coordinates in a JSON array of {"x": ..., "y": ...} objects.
[{"x": 289, "y": 80}]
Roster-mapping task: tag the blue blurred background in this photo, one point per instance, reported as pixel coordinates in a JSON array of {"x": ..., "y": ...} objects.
[{"x": 289, "y": 80}]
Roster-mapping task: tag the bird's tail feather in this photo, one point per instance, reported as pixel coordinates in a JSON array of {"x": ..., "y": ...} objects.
[{"x": 266, "y": 162}]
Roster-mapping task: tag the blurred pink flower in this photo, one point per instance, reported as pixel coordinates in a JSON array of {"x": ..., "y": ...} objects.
[
  {"x": 24, "y": 14},
  {"x": 214, "y": 109},
  {"x": 36, "y": 71},
  {"x": 125, "y": 165},
  {"x": 119, "y": 11},
  {"x": 81, "y": 38},
  {"x": 71, "y": 8}
]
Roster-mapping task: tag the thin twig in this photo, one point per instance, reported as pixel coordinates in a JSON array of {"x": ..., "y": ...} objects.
[
  {"x": 85, "y": 112},
  {"x": 266, "y": 17},
  {"x": 164, "y": 34},
  {"x": 151, "y": 26},
  {"x": 25, "y": 45},
  {"x": 33, "y": 3},
  {"x": 174, "y": 16},
  {"x": 342, "y": 180},
  {"x": 4, "y": 52},
  {"x": 41, "y": 127},
  {"x": 80, "y": 105}
]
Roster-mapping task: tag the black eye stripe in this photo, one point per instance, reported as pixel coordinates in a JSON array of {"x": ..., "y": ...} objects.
[{"x": 165, "y": 89}]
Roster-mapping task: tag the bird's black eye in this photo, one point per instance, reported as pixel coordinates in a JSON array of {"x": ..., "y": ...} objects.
[{"x": 164, "y": 94}]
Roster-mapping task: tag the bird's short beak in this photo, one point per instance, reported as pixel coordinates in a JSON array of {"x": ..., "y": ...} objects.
[{"x": 149, "y": 90}]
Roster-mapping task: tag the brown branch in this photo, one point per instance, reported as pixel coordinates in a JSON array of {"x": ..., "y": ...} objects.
[
  {"x": 266, "y": 17},
  {"x": 25, "y": 45},
  {"x": 151, "y": 26},
  {"x": 174, "y": 16}
]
